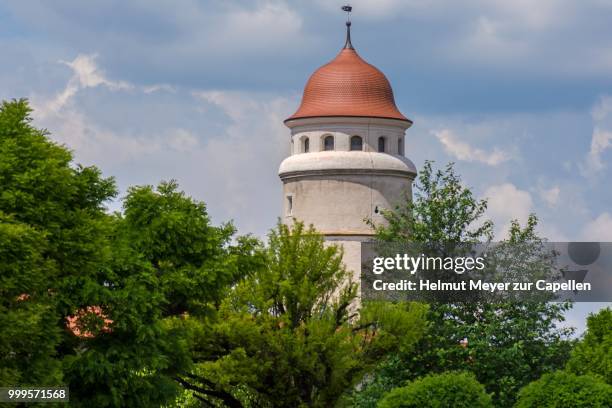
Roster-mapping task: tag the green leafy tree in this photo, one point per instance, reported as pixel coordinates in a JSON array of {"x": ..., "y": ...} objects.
[
  {"x": 564, "y": 389},
  {"x": 451, "y": 389},
  {"x": 443, "y": 210},
  {"x": 88, "y": 298},
  {"x": 593, "y": 354},
  {"x": 29, "y": 332},
  {"x": 53, "y": 239},
  {"x": 192, "y": 259},
  {"x": 167, "y": 263},
  {"x": 291, "y": 334},
  {"x": 509, "y": 344},
  {"x": 58, "y": 261}
]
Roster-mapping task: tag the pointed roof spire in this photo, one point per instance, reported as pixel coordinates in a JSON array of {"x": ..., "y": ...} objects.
[{"x": 347, "y": 44}]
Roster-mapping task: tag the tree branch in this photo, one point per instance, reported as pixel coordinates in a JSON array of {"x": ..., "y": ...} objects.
[
  {"x": 204, "y": 400},
  {"x": 226, "y": 397},
  {"x": 363, "y": 326}
]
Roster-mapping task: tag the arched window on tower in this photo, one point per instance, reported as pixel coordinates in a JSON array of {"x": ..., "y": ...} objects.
[
  {"x": 306, "y": 147},
  {"x": 356, "y": 143},
  {"x": 381, "y": 144},
  {"x": 328, "y": 143},
  {"x": 400, "y": 146}
]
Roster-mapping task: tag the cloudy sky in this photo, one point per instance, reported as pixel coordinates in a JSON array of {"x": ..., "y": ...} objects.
[{"x": 517, "y": 92}]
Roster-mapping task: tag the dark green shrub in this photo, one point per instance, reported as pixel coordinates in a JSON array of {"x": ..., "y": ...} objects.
[
  {"x": 564, "y": 389},
  {"x": 451, "y": 389}
]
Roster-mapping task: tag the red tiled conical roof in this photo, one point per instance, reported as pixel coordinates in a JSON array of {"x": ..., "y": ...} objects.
[{"x": 348, "y": 86}]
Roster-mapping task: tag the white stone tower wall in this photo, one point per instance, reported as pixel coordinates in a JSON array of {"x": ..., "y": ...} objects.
[
  {"x": 339, "y": 204},
  {"x": 338, "y": 190}
]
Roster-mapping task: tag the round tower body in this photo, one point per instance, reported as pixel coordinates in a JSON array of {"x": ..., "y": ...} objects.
[
  {"x": 343, "y": 172},
  {"x": 347, "y": 161}
]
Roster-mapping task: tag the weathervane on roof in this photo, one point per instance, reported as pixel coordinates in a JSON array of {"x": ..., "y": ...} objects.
[{"x": 348, "y": 10}]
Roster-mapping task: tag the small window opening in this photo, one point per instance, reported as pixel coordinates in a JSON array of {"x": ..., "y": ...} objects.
[
  {"x": 400, "y": 146},
  {"x": 289, "y": 205},
  {"x": 356, "y": 143},
  {"x": 306, "y": 145},
  {"x": 328, "y": 143},
  {"x": 381, "y": 144}
]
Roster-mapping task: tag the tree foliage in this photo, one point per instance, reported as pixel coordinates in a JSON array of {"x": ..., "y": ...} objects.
[
  {"x": 128, "y": 308},
  {"x": 450, "y": 389},
  {"x": 593, "y": 354},
  {"x": 289, "y": 334},
  {"x": 191, "y": 258},
  {"x": 86, "y": 295},
  {"x": 52, "y": 243},
  {"x": 564, "y": 389},
  {"x": 443, "y": 210},
  {"x": 167, "y": 263},
  {"x": 509, "y": 344}
]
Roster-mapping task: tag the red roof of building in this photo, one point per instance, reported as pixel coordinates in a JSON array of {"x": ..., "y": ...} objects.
[{"x": 348, "y": 86}]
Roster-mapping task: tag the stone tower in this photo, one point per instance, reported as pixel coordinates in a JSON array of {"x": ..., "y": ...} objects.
[{"x": 347, "y": 153}]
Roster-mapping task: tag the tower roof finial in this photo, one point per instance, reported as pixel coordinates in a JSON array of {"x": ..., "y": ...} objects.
[{"x": 347, "y": 44}]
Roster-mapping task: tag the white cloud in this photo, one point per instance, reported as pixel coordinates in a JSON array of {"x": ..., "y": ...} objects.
[
  {"x": 601, "y": 139},
  {"x": 489, "y": 40},
  {"x": 600, "y": 229},
  {"x": 233, "y": 166},
  {"x": 506, "y": 203},
  {"x": 513, "y": 36},
  {"x": 535, "y": 15},
  {"x": 246, "y": 156},
  {"x": 158, "y": 88},
  {"x": 90, "y": 140},
  {"x": 86, "y": 74},
  {"x": 181, "y": 140},
  {"x": 95, "y": 143},
  {"x": 463, "y": 151},
  {"x": 274, "y": 16},
  {"x": 550, "y": 195},
  {"x": 602, "y": 109},
  {"x": 270, "y": 24},
  {"x": 551, "y": 232},
  {"x": 234, "y": 104}
]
